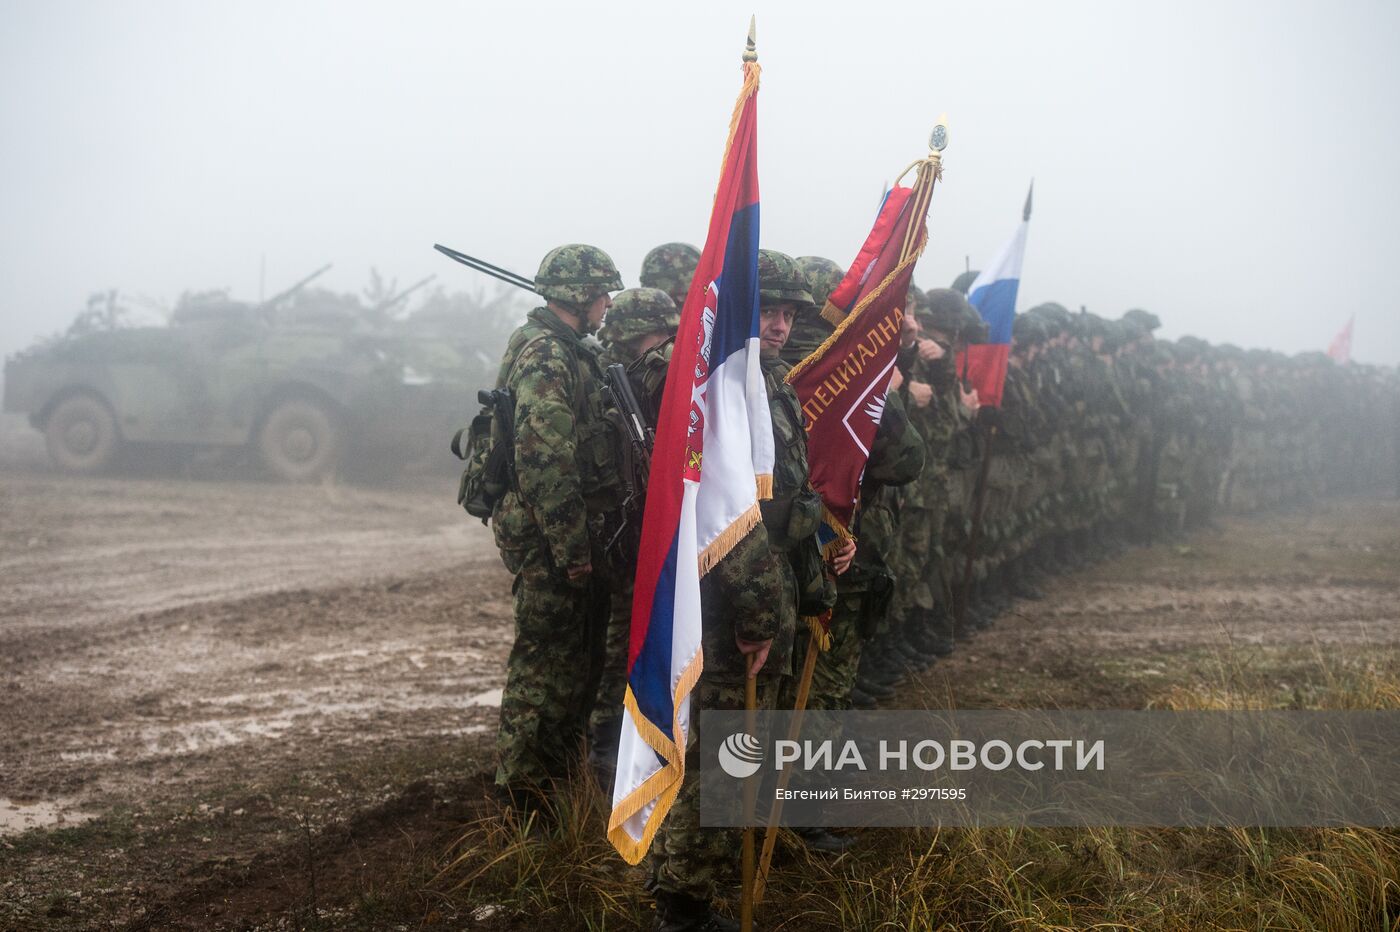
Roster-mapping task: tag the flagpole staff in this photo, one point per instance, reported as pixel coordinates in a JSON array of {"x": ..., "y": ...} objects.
[
  {"x": 799, "y": 706},
  {"x": 747, "y": 864},
  {"x": 929, "y": 171},
  {"x": 980, "y": 494}
]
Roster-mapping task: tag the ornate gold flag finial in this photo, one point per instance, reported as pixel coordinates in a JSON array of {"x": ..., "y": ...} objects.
[{"x": 751, "y": 48}]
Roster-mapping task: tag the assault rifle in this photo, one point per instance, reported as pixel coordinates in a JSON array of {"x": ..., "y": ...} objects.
[{"x": 637, "y": 458}]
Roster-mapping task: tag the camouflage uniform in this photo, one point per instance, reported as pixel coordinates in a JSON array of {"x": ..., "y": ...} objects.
[
  {"x": 753, "y": 593},
  {"x": 635, "y": 314},
  {"x": 670, "y": 267},
  {"x": 896, "y": 457},
  {"x": 552, "y": 520}
]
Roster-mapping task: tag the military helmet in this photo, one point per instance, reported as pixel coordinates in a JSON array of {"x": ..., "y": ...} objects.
[
  {"x": 1028, "y": 330},
  {"x": 637, "y": 312},
  {"x": 964, "y": 281},
  {"x": 823, "y": 276},
  {"x": 576, "y": 274},
  {"x": 1142, "y": 319},
  {"x": 809, "y": 328},
  {"x": 1192, "y": 347},
  {"x": 973, "y": 328},
  {"x": 670, "y": 267},
  {"x": 1115, "y": 335},
  {"x": 1054, "y": 315},
  {"x": 780, "y": 279},
  {"x": 1088, "y": 325},
  {"x": 946, "y": 309}
]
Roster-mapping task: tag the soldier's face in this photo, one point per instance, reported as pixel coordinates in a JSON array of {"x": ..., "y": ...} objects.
[
  {"x": 595, "y": 312},
  {"x": 774, "y": 325},
  {"x": 649, "y": 341}
]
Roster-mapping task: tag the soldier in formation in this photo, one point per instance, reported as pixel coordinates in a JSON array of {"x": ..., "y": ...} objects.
[{"x": 1105, "y": 437}]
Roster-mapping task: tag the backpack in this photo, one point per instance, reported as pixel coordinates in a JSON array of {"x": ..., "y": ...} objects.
[{"x": 490, "y": 469}]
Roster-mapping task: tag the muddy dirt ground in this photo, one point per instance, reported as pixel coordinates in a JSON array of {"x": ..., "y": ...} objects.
[{"x": 243, "y": 705}]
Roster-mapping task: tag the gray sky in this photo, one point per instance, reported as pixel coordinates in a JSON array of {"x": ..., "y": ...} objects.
[{"x": 1224, "y": 165}]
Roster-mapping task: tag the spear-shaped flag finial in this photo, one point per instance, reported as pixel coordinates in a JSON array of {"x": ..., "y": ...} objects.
[
  {"x": 751, "y": 47},
  {"x": 1026, "y": 214}
]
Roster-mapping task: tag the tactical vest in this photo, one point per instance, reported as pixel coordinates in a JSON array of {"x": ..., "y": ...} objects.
[{"x": 596, "y": 441}]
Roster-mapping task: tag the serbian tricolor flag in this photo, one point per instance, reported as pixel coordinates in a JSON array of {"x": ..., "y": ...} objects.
[
  {"x": 842, "y": 384},
  {"x": 711, "y": 462},
  {"x": 1340, "y": 350},
  {"x": 994, "y": 295}
]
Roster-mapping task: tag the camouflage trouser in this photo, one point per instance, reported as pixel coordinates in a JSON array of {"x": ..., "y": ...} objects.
[
  {"x": 550, "y": 677},
  {"x": 685, "y": 858},
  {"x": 913, "y": 560},
  {"x": 835, "y": 670},
  {"x": 612, "y": 686}
]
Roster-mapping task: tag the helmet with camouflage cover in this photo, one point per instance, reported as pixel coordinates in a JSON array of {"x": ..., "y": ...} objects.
[
  {"x": 964, "y": 281},
  {"x": 637, "y": 312},
  {"x": 1189, "y": 347},
  {"x": 973, "y": 328},
  {"x": 670, "y": 267},
  {"x": 1141, "y": 319},
  {"x": 946, "y": 310},
  {"x": 1087, "y": 325},
  {"x": 1115, "y": 335},
  {"x": 576, "y": 274},
  {"x": 1055, "y": 317},
  {"x": 823, "y": 276},
  {"x": 809, "y": 328},
  {"x": 780, "y": 279},
  {"x": 1028, "y": 330}
]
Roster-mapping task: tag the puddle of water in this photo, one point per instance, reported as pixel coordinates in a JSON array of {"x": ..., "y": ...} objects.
[
  {"x": 18, "y": 816},
  {"x": 490, "y": 697}
]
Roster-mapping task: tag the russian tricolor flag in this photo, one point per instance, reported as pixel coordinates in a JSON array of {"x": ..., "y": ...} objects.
[
  {"x": 711, "y": 462},
  {"x": 993, "y": 294}
]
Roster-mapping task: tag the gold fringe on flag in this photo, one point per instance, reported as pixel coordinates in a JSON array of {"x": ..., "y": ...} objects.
[
  {"x": 819, "y": 632},
  {"x": 832, "y": 314},
  {"x": 664, "y": 785},
  {"x": 830, "y": 341},
  {"x": 729, "y": 538}
]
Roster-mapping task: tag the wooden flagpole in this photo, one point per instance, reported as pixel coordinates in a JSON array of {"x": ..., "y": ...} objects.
[{"x": 930, "y": 170}]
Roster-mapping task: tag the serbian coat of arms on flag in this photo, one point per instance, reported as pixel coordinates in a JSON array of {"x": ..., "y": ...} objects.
[{"x": 711, "y": 463}]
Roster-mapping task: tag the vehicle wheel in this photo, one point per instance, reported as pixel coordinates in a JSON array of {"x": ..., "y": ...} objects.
[
  {"x": 299, "y": 441},
  {"x": 82, "y": 435}
]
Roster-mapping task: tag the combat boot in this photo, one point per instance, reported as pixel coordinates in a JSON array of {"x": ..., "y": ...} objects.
[
  {"x": 878, "y": 670},
  {"x": 862, "y": 700},
  {"x": 676, "y": 912},
  {"x": 1034, "y": 568},
  {"x": 1018, "y": 580},
  {"x": 980, "y": 610},
  {"x": 871, "y": 674},
  {"x": 999, "y": 590},
  {"x": 938, "y": 631}
]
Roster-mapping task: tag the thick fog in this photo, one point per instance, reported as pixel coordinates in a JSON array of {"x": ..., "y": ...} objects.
[{"x": 1225, "y": 166}]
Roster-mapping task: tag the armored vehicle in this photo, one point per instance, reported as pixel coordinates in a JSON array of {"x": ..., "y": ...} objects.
[{"x": 309, "y": 387}]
